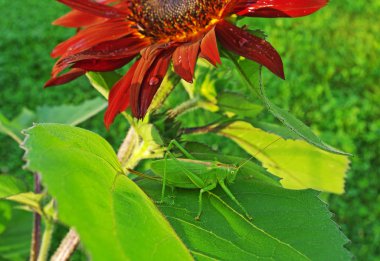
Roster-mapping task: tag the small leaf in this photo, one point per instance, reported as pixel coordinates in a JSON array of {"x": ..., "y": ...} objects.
[
  {"x": 276, "y": 129},
  {"x": 238, "y": 104},
  {"x": 287, "y": 225},
  {"x": 10, "y": 186},
  {"x": 114, "y": 218},
  {"x": 300, "y": 128},
  {"x": 13, "y": 128},
  {"x": 70, "y": 114},
  {"x": 103, "y": 81},
  {"x": 299, "y": 164},
  {"x": 30, "y": 200}
]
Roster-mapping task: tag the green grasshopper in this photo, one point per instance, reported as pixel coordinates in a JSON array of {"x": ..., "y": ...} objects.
[{"x": 191, "y": 173}]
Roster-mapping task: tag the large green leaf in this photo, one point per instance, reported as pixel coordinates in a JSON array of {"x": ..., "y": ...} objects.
[
  {"x": 252, "y": 76},
  {"x": 287, "y": 224},
  {"x": 299, "y": 164},
  {"x": 114, "y": 218}
]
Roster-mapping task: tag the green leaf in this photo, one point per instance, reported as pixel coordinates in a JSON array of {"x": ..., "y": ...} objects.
[
  {"x": 114, "y": 218},
  {"x": 65, "y": 114},
  {"x": 29, "y": 201},
  {"x": 300, "y": 128},
  {"x": 5, "y": 214},
  {"x": 276, "y": 129},
  {"x": 103, "y": 81},
  {"x": 70, "y": 114},
  {"x": 10, "y": 186},
  {"x": 299, "y": 164},
  {"x": 245, "y": 68},
  {"x": 14, "y": 189},
  {"x": 238, "y": 104},
  {"x": 15, "y": 240},
  {"x": 13, "y": 128},
  {"x": 287, "y": 224}
]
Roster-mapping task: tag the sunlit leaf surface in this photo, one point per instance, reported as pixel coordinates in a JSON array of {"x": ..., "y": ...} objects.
[{"x": 298, "y": 163}]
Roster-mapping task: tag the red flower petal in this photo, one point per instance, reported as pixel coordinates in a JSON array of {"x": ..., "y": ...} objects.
[
  {"x": 78, "y": 19},
  {"x": 94, "y": 8},
  {"x": 152, "y": 81},
  {"x": 127, "y": 47},
  {"x": 209, "y": 48},
  {"x": 138, "y": 87},
  {"x": 184, "y": 60},
  {"x": 149, "y": 55},
  {"x": 278, "y": 8},
  {"x": 249, "y": 46},
  {"x": 65, "y": 78},
  {"x": 95, "y": 65},
  {"x": 91, "y": 36},
  {"x": 119, "y": 96}
]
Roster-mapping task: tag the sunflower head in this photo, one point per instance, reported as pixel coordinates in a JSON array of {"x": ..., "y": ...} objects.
[{"x": 154, "y": 33}]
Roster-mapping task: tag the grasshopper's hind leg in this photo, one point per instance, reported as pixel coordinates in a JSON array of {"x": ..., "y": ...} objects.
[
  {"x": 200, "y": 201},
  {"x": 229, "y": 193}
]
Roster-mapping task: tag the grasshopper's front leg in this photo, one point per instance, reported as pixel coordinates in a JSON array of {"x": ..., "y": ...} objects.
[
  {"x": 200, "y": 200},
  {"x": 229, "y": 193}
]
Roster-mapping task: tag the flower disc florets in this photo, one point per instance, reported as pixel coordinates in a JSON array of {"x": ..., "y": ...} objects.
[{"x": 175, "y": 19}]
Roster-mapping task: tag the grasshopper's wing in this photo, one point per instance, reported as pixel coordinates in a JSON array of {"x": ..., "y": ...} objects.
[{"x": 176, "y": 172}]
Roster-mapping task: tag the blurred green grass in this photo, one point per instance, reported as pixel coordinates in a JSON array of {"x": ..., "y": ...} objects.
[{"x": 333, "y": 72}]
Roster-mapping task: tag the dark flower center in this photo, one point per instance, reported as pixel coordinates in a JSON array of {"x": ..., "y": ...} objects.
[{"x": 175, "y": 19}]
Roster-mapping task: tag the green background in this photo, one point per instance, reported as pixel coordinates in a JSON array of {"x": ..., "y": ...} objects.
[{"x": 333, "y": 71}]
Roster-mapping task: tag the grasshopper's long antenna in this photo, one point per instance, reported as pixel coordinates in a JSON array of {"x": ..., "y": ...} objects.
[
  {"x": 142, "y": 175},
  {"x": 260, "y": 151}
]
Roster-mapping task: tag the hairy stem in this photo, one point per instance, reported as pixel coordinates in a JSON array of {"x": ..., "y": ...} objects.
[
  {"x": 67, "y": 246},
  {"x": 127, "y": 147},
  {"x": 183, "y": 108},
  {"x": 36, "y": 234},
  {"x": 46, "y": 241}
]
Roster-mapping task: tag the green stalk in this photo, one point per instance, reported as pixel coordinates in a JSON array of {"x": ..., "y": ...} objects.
[
  {"x": 46, "y": 241},
  {"x": 183, "y": 108}
]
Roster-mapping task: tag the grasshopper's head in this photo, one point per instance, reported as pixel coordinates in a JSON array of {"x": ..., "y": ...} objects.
[{"x": 232, "y": 172}]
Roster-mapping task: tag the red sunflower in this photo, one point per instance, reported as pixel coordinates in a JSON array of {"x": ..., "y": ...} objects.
[{"x": 114, "y": 32}]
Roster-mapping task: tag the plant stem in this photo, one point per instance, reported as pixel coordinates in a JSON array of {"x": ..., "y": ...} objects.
[
  {"x": 184, "y": 107},
  {"x": 36, "y": 234},
  {"x": 67, "y": 246},
  {"x": 127, "y": 147},
  {"x": 46, "y": 240}
]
